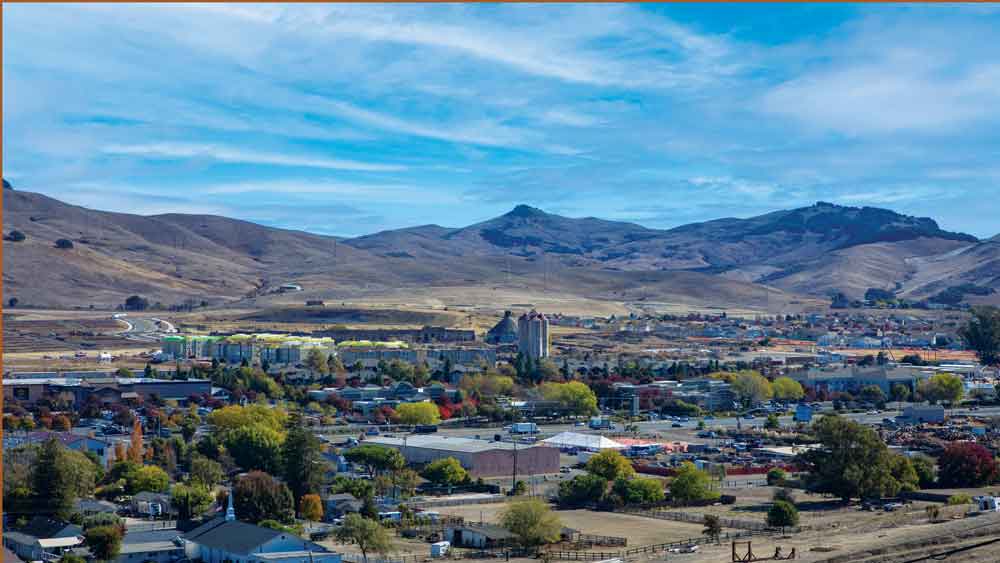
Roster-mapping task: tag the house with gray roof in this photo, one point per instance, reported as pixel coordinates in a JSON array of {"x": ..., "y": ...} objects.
[
  {"x": 227, "y": 540},
  {"x": 42, "y": 538}
]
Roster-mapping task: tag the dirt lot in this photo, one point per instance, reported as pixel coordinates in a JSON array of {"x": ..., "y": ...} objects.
[
  {"x": 637, "y": 529},
  {"x": 832, "y": 534}
]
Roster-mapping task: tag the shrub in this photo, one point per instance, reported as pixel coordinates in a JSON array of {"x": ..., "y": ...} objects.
[
  {"x": 785, "y": 495},
  {"x": 776, "y": 476},
  {"x": 782, "y": 515},
  {"x": 966, "y": 465},
  {"x": 961, "y": 498},
  {"x": 933, "y": 512}
]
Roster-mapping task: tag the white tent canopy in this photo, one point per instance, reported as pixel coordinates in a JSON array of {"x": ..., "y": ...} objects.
[{"x": 592, "y": 442}]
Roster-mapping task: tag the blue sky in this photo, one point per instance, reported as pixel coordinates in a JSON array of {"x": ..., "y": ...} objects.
[{"x": 345, "y": 120}]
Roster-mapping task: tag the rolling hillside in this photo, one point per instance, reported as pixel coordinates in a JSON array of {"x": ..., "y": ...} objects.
[{"x": 768, "y": 261}]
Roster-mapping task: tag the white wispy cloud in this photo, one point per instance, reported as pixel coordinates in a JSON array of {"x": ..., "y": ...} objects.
[{"x": 223, "y": 153}]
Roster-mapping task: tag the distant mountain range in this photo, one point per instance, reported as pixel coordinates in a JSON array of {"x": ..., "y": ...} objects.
[{"x": 766, "y": 261}]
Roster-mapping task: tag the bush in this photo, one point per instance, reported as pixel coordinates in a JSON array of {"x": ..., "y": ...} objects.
[
  {"x": 785, "y": 495},
  {"x": 776, "y": 476},
  {"x": 782, "y": 515},
  {"x": 933, "y": 512},
  {"x": 64, "y": 243},
  {"x": 581, "y": 490},
  {"x": 960, "y": 498},
  {"x": 966, "y": 465}
]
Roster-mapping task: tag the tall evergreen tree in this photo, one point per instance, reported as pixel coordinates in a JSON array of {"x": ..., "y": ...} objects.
[{"x": 303, "y": 464}]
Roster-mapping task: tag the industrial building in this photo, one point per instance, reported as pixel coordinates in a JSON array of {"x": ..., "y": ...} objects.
[
  {"x": 272, "y": 348},
  {"x": 480, "y": 458},
  {"x": 109, "y": 390},
  {"x": 504, "y": 332},
  {"x": 533, "y": 335}
]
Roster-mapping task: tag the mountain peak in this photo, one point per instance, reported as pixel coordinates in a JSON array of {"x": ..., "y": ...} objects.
[{"x": 525, "y": 211}]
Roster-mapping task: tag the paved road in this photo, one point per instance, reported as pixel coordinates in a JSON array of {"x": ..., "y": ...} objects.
[{"x": 140, "y": 328}]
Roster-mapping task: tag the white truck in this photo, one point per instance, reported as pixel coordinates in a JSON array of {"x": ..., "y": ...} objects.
[
  {"x": 524, "y": 428},
  {"x": 601, "y": 423}
]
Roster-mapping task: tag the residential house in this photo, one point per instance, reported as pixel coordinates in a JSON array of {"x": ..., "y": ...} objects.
[
  {"x": 156, "y": 546},
  {"x": 151, "y": 504},
  {"x": 42, "y": 539},
  {"x": 227, "y": 540},
  {"x": 483, "y": 536},
  {"x": 338, "y": 505}
]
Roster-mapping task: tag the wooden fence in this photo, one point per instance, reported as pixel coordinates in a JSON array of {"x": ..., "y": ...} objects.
[
  {"x": 692, "y": 518},
  {"x": 564, "y": 555},
  {"x": 459, "y": 501}
]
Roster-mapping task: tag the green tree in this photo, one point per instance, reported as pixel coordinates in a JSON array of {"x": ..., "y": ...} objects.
[
  {"x": 418, "y": 413},
  {"x": 899, "y": 392},
  {"x": 576, "y": 397},
  {"x": 851, "y": 462},
  {"x": 926, "y": 470},
  {"x": 149, "y": 478},
  {"x": 190, "y": 500},
  {"x": 776, "y": 476},
  {"x": 206, "y": 471},
  {"x": 872, "y": 394},
  {"x": 610, "y": 465},
  {"x": 368, "y": 535},
  {"x": 713, "y": 527},
  {"x": 316, "y": 361},
  {"x": 59, "y": 477},
  {"x": 104, "y": 542},
  {"x": 944, "y": 387},
  {"x": 752, "y": 388},
  {"x": 445, "y": 471},
  {"x": 303, "y": 461},
  {"x": 255, "y": 447},
  {"x": 782, "y": 515},
  {"x": 904, "y": 472},
  {"x": 787, "y": 389},
  {"x": 691, "y": 484},
  {"x": 532, "y": 522},
  {"x": 235, "y": 417},
  {"x": 982, "y": 334},
  {"x": 581, "y": 490},
  {"x": 772, "y": 422},
  {"x": 638, "y": 490},
  {"x": 376, "y": 458},
  {"x": 258, "y": 496}
]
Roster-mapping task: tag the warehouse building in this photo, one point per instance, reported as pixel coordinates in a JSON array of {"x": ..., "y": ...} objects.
[
  {"x": 480, "y": 458},
  {"x": 111, "y": 390}
]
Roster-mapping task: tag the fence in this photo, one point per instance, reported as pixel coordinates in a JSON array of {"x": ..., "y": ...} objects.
[
  {"x": 654, "y": 548},
  {"x": 357, "y": 558},
  {"x": 692, "y": 518},
  {"x": 151, "y": 525},
  {"x": 744, "y": 484},
  {"x": 591, "y": 539},
  {"x": 458, "y": 501}
]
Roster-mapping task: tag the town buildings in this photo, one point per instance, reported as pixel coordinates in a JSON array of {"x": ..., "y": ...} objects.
[
  {"x": 107, "y": 390},
  {"x": 481, "y": 458}
]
